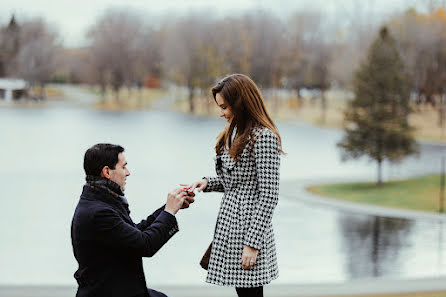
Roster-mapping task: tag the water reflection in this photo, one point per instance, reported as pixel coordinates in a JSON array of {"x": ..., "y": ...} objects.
[{"x": 373, "y": 244}]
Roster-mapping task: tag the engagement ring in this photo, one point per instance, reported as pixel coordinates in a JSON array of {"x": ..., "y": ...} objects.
[{"x": 252, "y": 261}]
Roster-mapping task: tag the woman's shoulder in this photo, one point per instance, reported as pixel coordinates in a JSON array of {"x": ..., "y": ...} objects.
[
  {"x": 266, "y": 139},
  {"x": 263, "y": 132}
]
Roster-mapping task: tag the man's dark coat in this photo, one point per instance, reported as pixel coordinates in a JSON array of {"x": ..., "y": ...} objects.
[{"x": 109, "y": 247}]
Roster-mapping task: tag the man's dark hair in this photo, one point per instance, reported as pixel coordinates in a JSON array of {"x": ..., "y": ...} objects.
[{"x": 100, "y": 155}]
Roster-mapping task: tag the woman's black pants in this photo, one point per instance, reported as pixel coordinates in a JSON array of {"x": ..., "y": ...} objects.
[{"x": 250, "y": 292}]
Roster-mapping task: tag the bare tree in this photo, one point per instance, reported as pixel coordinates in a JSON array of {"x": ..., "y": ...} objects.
[
  {"x": 421, "y": 40},
  {"x": 115, "y": 47},
  {"x": 189, "y": 56},
  {"x": 309, "y": 54},
  {"x": 36, "y": 60}
]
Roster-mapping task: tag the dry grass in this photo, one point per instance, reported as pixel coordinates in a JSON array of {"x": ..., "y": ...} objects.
[
  {"x": 426, "y": 122},
  {"x": 51, "y": 93},
  {"x": 281, "y": 110},
  {"x": 132, "y": 99}
]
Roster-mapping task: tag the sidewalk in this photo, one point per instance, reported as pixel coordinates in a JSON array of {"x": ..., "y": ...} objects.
[{"x": 343, "y": 289}]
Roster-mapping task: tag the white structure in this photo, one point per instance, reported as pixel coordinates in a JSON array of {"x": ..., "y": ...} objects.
[{"x": 13, "y": 89}]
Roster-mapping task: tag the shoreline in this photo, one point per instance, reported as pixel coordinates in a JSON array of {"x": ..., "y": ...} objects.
[
  {"x": 298, "y": 190},
  {"x": 287, "y": 112}
]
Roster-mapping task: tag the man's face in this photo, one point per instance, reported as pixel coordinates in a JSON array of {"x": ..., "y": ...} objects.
[{"x": 120, "y": 173}]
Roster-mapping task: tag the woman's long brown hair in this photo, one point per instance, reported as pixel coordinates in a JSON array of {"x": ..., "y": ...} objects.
[{"x": 241, "y": 94}]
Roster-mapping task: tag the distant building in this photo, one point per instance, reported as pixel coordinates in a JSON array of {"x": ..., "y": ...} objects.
[{"x": 13, "y": 89}]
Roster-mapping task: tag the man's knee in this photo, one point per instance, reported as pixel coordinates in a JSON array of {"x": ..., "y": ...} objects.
[{"x": 153, "y": 293}]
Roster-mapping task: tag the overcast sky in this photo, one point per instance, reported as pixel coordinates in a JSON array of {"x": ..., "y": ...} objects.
[{"x": 73, "y": 17}]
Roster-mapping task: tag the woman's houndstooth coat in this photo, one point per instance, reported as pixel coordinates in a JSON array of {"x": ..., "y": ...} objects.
[{"x": 251, "y": 188}]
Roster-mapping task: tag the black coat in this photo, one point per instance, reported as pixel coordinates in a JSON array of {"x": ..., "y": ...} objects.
[{"x": 109, "y": 247}]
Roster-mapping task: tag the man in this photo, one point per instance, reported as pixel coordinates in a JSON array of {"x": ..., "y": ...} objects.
[{"x": 107, "y": 244}]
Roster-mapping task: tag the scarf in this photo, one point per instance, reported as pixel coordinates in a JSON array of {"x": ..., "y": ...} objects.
[{"x": 109, "y": 186}]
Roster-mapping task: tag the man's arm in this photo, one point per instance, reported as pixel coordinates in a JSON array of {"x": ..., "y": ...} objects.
[
  {"x": 113, "y": 231},
  {"x": 150, "y": 219}
]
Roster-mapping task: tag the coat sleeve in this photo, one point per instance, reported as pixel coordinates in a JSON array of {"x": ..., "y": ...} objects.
[
  {"x": 267, "y": 161},
  {"x": 147, "y": 222},
  {"x": 214, "y": 185},
  {"x": 113, "y": 231}
]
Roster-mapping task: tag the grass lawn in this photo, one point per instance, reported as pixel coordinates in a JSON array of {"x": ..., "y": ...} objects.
[{"x": 416, "y": 194}]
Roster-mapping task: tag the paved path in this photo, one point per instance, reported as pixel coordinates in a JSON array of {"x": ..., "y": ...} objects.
[
  {"x": 375, "y": 286},
  {"x": 78, "y": 94}
]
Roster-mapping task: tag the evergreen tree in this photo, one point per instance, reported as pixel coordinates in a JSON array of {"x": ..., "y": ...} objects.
[{"x": 376, "y": 121}]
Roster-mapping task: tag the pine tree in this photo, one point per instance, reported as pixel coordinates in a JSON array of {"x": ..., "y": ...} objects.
[{"x": 376, "y": 121}]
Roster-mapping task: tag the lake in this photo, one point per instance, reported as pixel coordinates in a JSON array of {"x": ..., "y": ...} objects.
[{"x": 41, "y": 152}]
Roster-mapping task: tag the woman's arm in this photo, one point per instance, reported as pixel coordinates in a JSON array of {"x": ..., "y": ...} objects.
[
  {"x": 206, "y": 184},
  {"x": 267, "y": 160},
  {"x": 214, "y": 184}
]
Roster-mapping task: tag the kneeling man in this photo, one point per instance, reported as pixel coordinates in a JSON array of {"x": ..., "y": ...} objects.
[{"x": 107, "y": 244}]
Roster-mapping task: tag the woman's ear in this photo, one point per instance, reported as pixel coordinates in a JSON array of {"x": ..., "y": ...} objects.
[{"x": 105, "y": 172}]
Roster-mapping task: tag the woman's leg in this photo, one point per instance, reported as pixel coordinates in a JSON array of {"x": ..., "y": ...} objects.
[{"x": 250, "y": 292}]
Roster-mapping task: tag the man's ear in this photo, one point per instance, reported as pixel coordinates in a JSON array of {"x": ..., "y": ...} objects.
[{"x": 105, "y": 172}]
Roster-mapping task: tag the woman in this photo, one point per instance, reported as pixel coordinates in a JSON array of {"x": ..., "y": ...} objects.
[{"x": 243, "y": 250}]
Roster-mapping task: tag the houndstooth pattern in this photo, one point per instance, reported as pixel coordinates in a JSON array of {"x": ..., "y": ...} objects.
[{"x": 251, "y": 188}]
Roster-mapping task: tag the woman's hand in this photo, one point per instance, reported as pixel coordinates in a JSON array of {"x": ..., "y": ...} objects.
[
  {"x": 199, "y": 185},
  {"x": 249, "y": 257}
]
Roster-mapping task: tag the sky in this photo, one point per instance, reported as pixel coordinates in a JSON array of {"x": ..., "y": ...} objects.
[{"x": 73, "y": 18}]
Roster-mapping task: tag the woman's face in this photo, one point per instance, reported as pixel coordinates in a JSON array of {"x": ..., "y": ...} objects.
[{"x": 225, "y": 110}]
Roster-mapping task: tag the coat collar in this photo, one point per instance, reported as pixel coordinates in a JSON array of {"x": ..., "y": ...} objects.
[{"x": 97, "y": 194}]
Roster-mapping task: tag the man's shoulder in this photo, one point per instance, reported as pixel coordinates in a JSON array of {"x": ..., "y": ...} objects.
[{"x": 89, "y": 204}]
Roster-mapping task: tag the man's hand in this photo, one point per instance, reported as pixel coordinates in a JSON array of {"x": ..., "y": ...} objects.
[
  {"x": 175, "y": 200},
  {"x": 189, "y": 199},
  {"x": 249, "y": 257}
]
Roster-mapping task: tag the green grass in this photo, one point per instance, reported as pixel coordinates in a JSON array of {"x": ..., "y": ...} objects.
[{"x": 416, "y": 194}]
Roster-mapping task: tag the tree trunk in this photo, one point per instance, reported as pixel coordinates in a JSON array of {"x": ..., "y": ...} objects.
[
  {"x": 299, "y": 99},
  {"x": 140, "y": 99},
  {"x": 103, "y": 91},
  {"x": 129, "y": 92},
  {"x": 323, "y": 106},
  {"x": 441, "y": 206},
  {"x": 208, "y": 102},
  {"x": 273, "y": 99},
  {"x": 42, "y": 91},
  {"x": 441, "y": 111},
  {"x": 117, "y": 94},
  {"x": 379, "y": 183},
  {"x": 191, "y": 99}
]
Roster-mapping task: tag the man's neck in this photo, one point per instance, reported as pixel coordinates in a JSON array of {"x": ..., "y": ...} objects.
[{"x": 102, "y": 182}]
